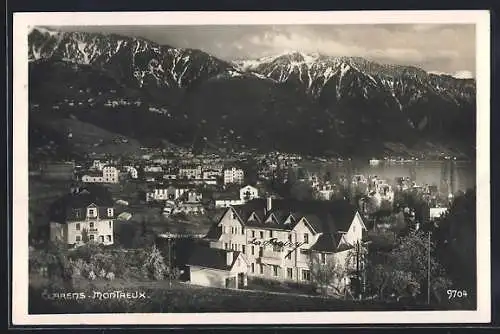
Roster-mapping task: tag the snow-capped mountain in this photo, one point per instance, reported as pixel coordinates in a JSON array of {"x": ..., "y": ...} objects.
[
  {"x": 403, "y": 85},
  {"x": 135, "y": 60},
  {"x": 335, "y": 103}
]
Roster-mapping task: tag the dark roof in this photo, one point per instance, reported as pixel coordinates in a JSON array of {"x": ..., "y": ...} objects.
[
  {"x": 211, "y": 258},
  {"x": 64, "y": 208},
  {"x": 327, "y": 242},
  {"x": 214, "y": 232},
  {"x": 323, "y": 216}
]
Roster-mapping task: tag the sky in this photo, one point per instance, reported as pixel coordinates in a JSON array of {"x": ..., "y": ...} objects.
[{"x": 438, "y": 48}]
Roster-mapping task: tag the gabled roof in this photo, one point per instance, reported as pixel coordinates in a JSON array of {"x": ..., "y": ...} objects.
[
  {"x": 63, "y": 209},
  {"x": 322, "y": 216},
  {"x": 327, "y": 242},
  {"x": 214, "y": 258}
]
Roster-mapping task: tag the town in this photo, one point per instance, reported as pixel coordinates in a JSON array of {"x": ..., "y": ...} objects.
[{"x": 244, "y": 221}]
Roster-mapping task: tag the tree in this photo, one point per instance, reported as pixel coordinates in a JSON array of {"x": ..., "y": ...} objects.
[
  {"x": 456, "y": 242},
  {"x": 85, "y": 235},
  {"x": 154, "y": 266},
  {"x": 325, "y": 275},
  {"x": 404, "y": 270}
]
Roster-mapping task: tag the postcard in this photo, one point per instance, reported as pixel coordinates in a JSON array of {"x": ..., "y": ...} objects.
[{"x": 225, "y": 168}]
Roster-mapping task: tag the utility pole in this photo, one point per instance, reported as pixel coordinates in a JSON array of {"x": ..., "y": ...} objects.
[
  {"x": 169, "y": 262},
  {"x": 429, "y": 268}
]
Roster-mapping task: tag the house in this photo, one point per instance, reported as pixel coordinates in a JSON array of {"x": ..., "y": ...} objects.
[
  {"x": 211, "y": 174},
  {"x": 435, "y": 213},
  {"x": 218, "y": 268},
  {"x": 189, "y": 208},
  {"x": 279, "y": 237},
  {"x": 233, "y": 175},
  {"x": 132, "y": 171},
  {"x": 108, "y": 174},
  {"x": 83, "y": 215},
  {"x": 163, "y": 193},
  {"x": 248, "y": 193},
  {"x": 190, "y": 172},
  {"x": 225, "y": 200},
  {"x": 93, "y": 177},
  {"x": 153, "y": 169},
  {"x": 98, "y": 165}
]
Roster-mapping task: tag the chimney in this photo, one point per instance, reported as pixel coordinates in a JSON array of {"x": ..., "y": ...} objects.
[
  {"x": 229, "y": 257},
  {"x": 269, "y": 204}
]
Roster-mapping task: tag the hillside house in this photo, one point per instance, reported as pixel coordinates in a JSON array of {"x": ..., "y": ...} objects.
[
  {"x": 218, "y": 268},
  {"x": 84, "y": 215},
  {"x": 190, "y": 172},
  {"x": 279, "y": 237},
  {"x": 234, "y": 176}
]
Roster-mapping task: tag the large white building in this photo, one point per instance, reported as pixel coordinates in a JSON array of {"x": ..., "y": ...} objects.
[
  {"x": 279, "y": 239},
  {"x": 194, "y": 172},
  {"x": 83, "y": 216},
  {"x": 108, "y": 174},
  {"x": 234, "y": 175}
]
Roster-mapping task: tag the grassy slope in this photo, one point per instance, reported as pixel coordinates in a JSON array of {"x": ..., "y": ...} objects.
[{"x": 180, "y": 297}]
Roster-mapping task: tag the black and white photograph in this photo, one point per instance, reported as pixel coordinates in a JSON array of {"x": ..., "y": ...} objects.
[{"x": 237, "y": 168}]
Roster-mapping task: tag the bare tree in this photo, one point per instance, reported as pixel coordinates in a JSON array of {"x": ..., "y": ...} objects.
[{"x": 325, "y": 273}]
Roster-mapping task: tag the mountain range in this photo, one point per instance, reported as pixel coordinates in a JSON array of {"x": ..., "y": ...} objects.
[{"x": 296, "y": 101}]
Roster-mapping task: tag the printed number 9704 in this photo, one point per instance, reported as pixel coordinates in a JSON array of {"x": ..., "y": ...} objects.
[{"x": 452, "y": 294}]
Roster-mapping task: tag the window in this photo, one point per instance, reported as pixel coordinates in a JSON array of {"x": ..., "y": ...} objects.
[
  {"x": 91, "y": 237},
  {"x": 262, "y": 234},
  {"x": 78, "y": 226},
  {"x": 306, "y": 238},
  {"x": 270, "y": 234},
  {"x": 275, "y": 270},
  {"x": 290, "y": 237},
  {"x": 323, "y": 258},
  {"x": 289, "y": 255},
  {"x": 101, "y": 238},
  {"x": 92, "y": 212},
  {"x": 226, "y": 246},
  {"x": 78, "y": 238},
  {"x": 253, "y": 234},
  {"x": 242, "y": 230},
  {"x": 109, "y": 237},
  {"x": 253, "y": 267},
  {"x": 91, "y": 224},
  {"x": 110, "y": 212},
  {"x": 77, "y": 213},
  {"x": 110, "y": 225},
  {"x": 289, "y": 272},
  {"x": 261, "y": 268},
  {"x": 253, "y": 250},
  {"x": 261, "y": 251},
  {"x": 306, "y": 276},
  {"x": 232, "y": 230},
  {"x": 243, "y": 249}
]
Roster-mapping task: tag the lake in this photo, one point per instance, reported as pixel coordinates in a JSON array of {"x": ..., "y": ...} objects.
[{"x": 455, "y": 175}]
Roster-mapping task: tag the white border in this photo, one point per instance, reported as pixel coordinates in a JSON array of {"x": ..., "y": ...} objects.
[{"x": 22, "y": 22}]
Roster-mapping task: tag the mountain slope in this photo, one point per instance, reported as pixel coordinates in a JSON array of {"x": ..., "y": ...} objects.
[{"x": 296, "y": 102}]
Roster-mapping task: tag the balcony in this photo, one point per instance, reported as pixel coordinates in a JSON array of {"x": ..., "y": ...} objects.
[{"x": 271, "y": 260}]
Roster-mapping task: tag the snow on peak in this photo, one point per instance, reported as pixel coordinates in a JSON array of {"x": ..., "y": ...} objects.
[{"x": 44, "y": 30}]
